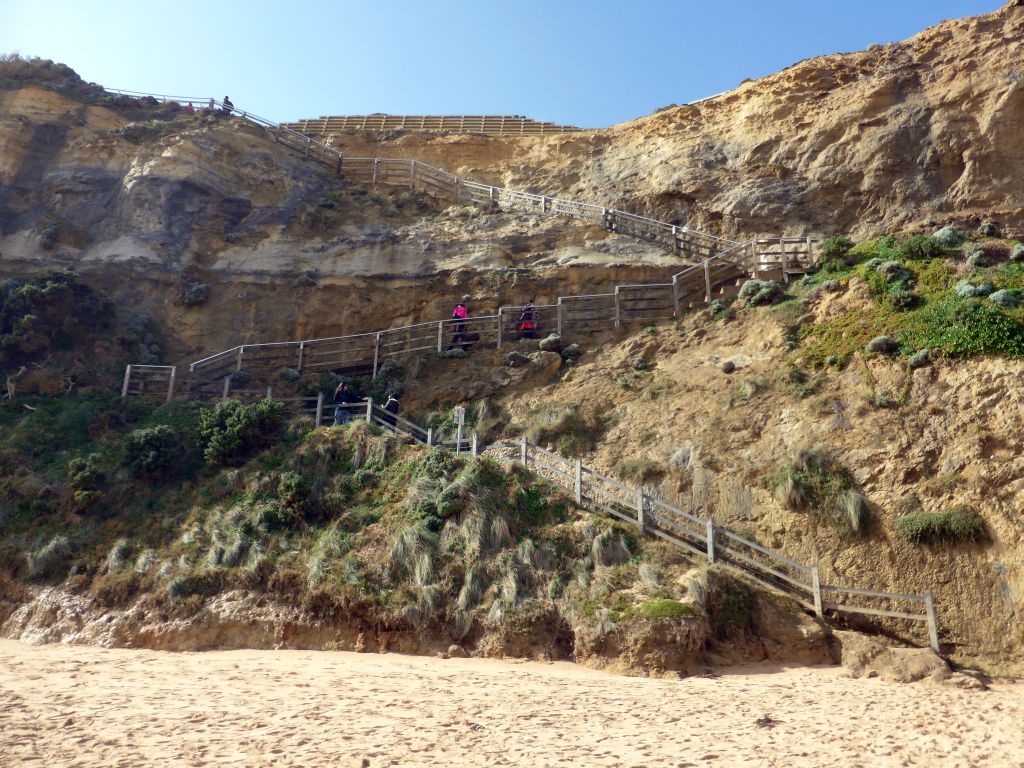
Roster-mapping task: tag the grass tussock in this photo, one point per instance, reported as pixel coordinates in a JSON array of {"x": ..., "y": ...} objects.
[
  {"x": 812, "y": 481},
  {"x": 570, "y": 430}
]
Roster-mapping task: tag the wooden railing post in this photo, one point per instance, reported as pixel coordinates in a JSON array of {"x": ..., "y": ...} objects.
[
  {"x": 369, "y": 410},
  {"x": 476, "y": 445},
  {"x": 816, "y": 586},
  {"x": 430, "y": 436},
  {"x": 373, "y": 181},
  {"x": 270, "y": 392},
  {"x": 558, "y": 324},
  {"x": 171, "y": 382},
  {"x": 579, "y": 483},
  {"x": 783, "y": 259},
  {"x": 127, "y": 380},
  {"x": 618, "y": 316},
  {"x": 319, "y": 408},
  {"x": 302, "y": 354},
  {"x": 499, "y": 328},
  {"x": 707, "y": 282},
  {"x": 711, "y": 540},
  {"x": 440, "y": 335},
  {"x": 412, "y": 174},
  {"x": 640, "y": 509},
  {"x": 376, "y": 356},
  {"x": 241, "y": 351},
  {"x": 933, "y": 627},
  {"x": 675, "y": 296},
  {"x": 227, "y": 389},
  {"x": 524, "y": 455}
]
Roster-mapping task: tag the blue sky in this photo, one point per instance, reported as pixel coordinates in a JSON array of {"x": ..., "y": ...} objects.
[{"x": 590, "y": 64}]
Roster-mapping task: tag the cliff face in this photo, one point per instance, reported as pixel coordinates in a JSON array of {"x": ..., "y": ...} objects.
[
  {"x": 902, "y": 136},
  {"x": 146, "y": 205}
]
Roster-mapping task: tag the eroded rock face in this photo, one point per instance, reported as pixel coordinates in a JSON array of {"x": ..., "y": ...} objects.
[{"x": 880, "y": 140}]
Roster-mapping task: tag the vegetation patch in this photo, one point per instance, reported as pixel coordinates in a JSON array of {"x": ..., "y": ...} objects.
[
  {"x": 923, "y": 305},
  {"x": 50, "y": 311},
  {"x": 953, "y": 526},
  {"x": 812, "y": 481},
  {"x": 572, "y": 431},
  {"x": 662, "y": 608},
  {"x": 232, "y": 430}
]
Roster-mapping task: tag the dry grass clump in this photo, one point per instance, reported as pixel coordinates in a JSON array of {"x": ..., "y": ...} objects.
[
  {"x": 50, "y": 559},
  {"x": 814, "y": 482}
]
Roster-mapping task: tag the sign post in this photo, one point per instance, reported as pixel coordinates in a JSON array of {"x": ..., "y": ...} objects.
[{"x": 459, "y": 417}]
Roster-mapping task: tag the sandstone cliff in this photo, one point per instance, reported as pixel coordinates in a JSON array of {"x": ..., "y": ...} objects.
[{"x": 898, "y": 137}]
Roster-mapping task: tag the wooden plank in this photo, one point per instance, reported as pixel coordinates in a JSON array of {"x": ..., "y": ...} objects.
[
  {"x": 730, "y": 552},
  {"x": 875, "y": 612},
  {"x": 873, "y": 593}
]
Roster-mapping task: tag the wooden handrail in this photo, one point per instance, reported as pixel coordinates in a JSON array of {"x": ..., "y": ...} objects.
[{"x": 810, "y": 595}]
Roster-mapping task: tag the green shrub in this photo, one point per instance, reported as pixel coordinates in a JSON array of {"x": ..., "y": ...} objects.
[
  {"x": 965, "y": 328},
  {"x": 48, "y": 311},
  {"x": 989, "y": 229},
  {"x": 232, "y": 431},
  {"x": 921, "y": 247},
  {"x": 154, "y": 451},
  {"x": 759, "y": 292},
  {"x": 836, "y": 247},
  {"x": 833, "y": 266},
  {"x": 293, "y": 491},
  {"x": 731, "y": 608},
  {"x": 951, "y": 526},
  {"x": 653, "y": 610},
  {"x": 902, "y": 299}
]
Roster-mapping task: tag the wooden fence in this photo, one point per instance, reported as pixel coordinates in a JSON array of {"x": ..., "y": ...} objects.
[
  {"x": 700, "y": 536},
  {"x": 364, "y": 353},
  {"x": 488, "y": 124}
]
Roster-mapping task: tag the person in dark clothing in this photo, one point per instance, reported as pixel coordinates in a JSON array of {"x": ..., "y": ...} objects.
[
  {"x": 528, "y": 322},
  {"x": 228, "y": 106},
  {"x": 391, "y": 407},
  {"x": 343, "y": 402},
  {"x": 459, "y": 328}
]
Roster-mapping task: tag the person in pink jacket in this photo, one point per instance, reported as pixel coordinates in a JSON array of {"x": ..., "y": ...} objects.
[{"x": 459, "y": 328}]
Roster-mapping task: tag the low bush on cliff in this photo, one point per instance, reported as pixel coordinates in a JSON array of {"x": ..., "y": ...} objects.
[
  {"x": 231, "y": 431},
  {"x": 51, "y": 311},
  {"x": 952, "y": 526}
]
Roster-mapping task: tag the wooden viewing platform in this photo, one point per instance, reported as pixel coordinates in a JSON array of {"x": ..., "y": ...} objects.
[{"x": 490, "y": 124}]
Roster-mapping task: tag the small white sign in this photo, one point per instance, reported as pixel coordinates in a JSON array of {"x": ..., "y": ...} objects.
[{"x": 459, "y": 415}]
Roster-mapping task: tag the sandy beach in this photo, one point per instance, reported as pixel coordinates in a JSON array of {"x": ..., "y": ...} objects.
[{"x": 86, "y": 706}]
